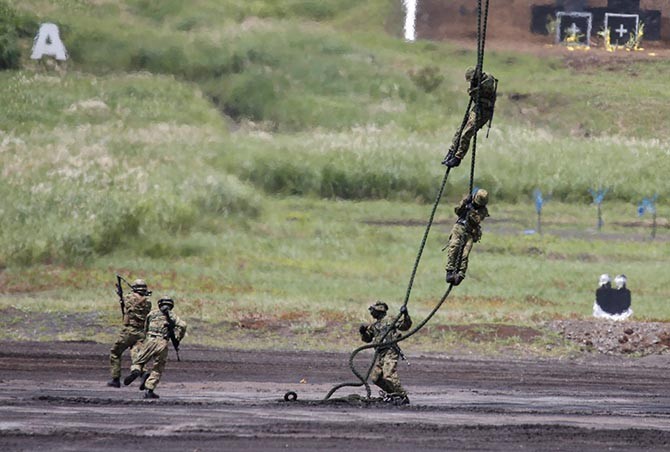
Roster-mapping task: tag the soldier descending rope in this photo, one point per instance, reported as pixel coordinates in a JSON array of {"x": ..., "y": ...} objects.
[
  {"x": 468, "y": 230},
  {"x": 485, "y": 88}
]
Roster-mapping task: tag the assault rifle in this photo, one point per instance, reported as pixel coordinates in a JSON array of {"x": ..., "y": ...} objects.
[
  {"x": 119, "y": 292},
  {"x": 170, "y": 334},
  {"x": 493, "y": 107}
]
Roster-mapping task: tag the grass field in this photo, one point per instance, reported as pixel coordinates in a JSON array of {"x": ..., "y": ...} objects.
[{"x": 272, "y": 164}]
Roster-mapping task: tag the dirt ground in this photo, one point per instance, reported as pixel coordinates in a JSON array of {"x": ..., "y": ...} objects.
[{"x": 53, "y": 397}]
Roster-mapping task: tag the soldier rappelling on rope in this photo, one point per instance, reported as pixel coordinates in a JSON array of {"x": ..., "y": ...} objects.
[
  {"x": 467, "y": 230},
  {"x": 485, "y": 92}
]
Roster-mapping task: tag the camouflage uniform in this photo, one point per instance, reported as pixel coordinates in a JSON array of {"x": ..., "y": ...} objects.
[
  {"x": 461, "y": 142},
  {"x": 156, "y": 345},
  {"x": 465, "y": 232},
  {"x": 384, "y": 371},
  {"x": 136, "y": 309}
]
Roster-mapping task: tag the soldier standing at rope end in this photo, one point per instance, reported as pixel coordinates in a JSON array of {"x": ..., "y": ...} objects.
[
  {"x": 162, "y": 326},
  {"x": 384, "y": 372},
  {"x": 487, "y": 98},
  {"x": 468, "y": 230},
  {"x": 135, "y": 307}
]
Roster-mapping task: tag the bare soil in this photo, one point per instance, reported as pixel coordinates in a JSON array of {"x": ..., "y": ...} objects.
[{"x": 53, "y": 397}]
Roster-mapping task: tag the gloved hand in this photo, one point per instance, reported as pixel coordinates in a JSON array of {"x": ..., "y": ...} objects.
[
  {"x": 403, "y": 309},
  {"x": 363, "y": 329},
  {"x": 165, "y": 308}
]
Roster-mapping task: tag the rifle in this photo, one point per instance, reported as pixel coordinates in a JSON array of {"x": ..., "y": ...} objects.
[
  {"x": 119, "y": 292},
  {"x": 170, "y": 335},
  {"x": 493, "y": 107}
]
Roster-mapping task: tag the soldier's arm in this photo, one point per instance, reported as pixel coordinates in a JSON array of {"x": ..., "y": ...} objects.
[
  {"x": 405, "y": 322},
  {"x": 461, "y": 208},
  {"x": 179, "y": 328},
  {"x": 146, "y": 323},
  {"x": 366, "y": 335}
]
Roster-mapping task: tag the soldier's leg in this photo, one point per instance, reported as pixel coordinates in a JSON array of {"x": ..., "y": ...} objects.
[
  {"x": 123, "y": 341},
  {"x": 456, "y": 242},
  {"x": 377, "y": 374},
  {"x": 466, "y": 136},
  {"x": 390, "y": 371},
  {"x": 143, "y": 355},
  {"x": 160, "y": 359},
  {"x": 467, "y": 247}
]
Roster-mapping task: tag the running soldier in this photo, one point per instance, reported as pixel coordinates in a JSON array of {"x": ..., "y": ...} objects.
[
  {"x": 461, "y": 142},
  {"x": 136, "y": 306},
  {"x": 384, "y": 372},
  {"x": 162, "y": 325},
  {"x": 468, "y": 230}
]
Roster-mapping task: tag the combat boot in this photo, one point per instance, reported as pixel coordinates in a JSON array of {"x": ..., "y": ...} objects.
[
  {"x": 114, "y": 382},
  {"x": 145, "y": 377},
  {"x": 150, "y": 394},
  {"x": 400, "y": 400},
  {"x": 450, "y": 276},
  {"x": 449, "y": 155},
  {"x": 458, "y": 278},
  {"x": 452, "y": 162},
  {"x": 130, "y": 378}
]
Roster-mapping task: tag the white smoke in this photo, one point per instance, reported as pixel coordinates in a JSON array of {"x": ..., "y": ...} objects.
[{"x": 410, "y": 19}]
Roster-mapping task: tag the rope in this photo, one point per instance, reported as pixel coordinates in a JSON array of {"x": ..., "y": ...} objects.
[{"x": 479, "y": 72}]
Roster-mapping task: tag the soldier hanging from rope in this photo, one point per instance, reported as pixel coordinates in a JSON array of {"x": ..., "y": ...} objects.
[
  {"x": 471, "y": 212},
  {"x": 384, "y": 372},
  {"x": 487, "y": 97}
]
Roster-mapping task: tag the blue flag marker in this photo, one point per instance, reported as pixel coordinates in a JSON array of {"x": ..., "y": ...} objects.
[
  {"x": 598, "y": 196},
  {"x": 648, "y": 205}
]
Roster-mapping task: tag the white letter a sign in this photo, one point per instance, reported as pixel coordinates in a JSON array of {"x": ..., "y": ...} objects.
[{"x": 47, "y": 42}]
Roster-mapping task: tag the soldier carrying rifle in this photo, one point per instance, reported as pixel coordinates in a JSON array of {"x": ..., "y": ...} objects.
[
  {"x": 161, "y": 325},
  {"x": 134, "y": 307}
]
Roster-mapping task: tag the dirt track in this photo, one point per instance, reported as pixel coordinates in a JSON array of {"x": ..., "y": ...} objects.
[{"x": 53, "y": 398}]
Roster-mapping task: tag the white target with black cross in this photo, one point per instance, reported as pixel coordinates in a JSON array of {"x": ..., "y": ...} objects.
[
  {"x": 622, "y": 27},
  {"x": 573, "y": 28}
]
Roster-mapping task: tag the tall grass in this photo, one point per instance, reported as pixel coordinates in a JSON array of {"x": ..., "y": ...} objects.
[
  {"x": 379, "y": 163},
  {"x": 85, "y": 175}
]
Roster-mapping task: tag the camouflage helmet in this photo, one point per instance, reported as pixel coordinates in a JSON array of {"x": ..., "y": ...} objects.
[
  {"x": 166, "y": 301},
  {"x": 139, "y": 286},
  {"x": 379, "y": 306},
  {"x": 470, "y": 73},
  {"x": 481, "y": 197}
]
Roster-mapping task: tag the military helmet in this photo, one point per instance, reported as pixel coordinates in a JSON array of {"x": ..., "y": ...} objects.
[
  {"x": 620, "y": 281},
  {"x": 481, "y": 197},
  {"x": 604, "y": 280},
  {"x": 379, "y": 306},
  {"x": 139, "y": 286},
  {"x": 470, "y": 73},
  {"x": 166, "y": 301}
]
